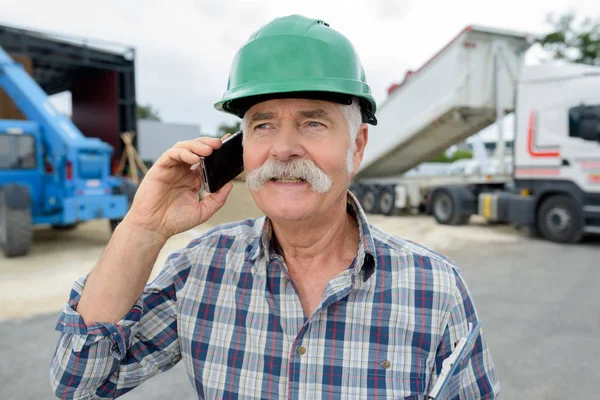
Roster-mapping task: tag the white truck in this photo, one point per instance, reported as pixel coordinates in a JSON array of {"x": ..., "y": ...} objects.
[{"x": 553, "y": 187}]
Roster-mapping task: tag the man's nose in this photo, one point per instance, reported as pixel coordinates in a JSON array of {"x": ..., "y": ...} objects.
[{"x": 287, "y": 145}]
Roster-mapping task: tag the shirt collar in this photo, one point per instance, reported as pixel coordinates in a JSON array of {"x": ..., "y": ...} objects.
[{"x": 366, "y": 260}]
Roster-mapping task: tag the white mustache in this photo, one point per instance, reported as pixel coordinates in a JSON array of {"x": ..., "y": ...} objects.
[{"x": 297, "y": 168}]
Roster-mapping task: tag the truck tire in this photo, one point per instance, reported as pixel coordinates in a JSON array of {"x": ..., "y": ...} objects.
[
  {"x": 369, "y": 200},
  {"x": 559, "y": 219},
  {"x": 15, "y": 229},
  {"x": 67, "y": 227},
  {"x": 129, "y": 189},
  {"x": 387, "y": 200},
  {"x": 445, "y": 210}
]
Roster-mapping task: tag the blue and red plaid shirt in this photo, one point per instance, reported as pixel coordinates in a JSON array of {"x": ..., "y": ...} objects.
[{"x": 226, "y": 306}]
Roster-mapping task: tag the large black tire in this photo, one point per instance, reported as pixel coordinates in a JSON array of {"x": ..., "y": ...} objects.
[
  {"x": 129, "y": 189},
  {"x": 445, "y": 210},
  {"x": 113, "y": 223},
  {"x": 559, "y": 219},
  {"x": 369, "y": 200},
  {"x": 387, "y": 200},
  {"x": 67, "y": 227},
  {"x": 15, "y": 229}
]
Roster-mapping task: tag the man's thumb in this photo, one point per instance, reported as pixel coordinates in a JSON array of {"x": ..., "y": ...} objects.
[{"x": 214, "y": 201}]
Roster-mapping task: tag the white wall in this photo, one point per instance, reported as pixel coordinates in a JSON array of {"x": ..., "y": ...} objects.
[{"x": 155, "y": 137}]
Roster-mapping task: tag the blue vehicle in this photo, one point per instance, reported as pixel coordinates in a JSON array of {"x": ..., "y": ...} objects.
[{"x": 50, "y": 173}]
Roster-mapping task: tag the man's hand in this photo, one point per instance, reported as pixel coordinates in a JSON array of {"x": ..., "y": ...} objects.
[
  {"x": 167, "y": 200},
  {"x": 166, "y": 203}
]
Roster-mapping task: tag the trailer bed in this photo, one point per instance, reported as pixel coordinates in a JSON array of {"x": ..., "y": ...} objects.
[{"x": 447, "y": 100}]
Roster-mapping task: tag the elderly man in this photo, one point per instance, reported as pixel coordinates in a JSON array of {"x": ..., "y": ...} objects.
[{"x": 308, "y": 302}]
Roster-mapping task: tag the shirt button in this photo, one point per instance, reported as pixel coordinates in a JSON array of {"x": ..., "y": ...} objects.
[
  {"x": 301, "y": 350},
  {"x": 386, "y": 364}
]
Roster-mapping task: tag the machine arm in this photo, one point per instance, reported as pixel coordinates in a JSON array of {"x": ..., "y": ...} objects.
[{"x": 33, "y": 102}]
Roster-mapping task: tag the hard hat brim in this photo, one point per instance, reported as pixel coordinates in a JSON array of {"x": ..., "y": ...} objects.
[{"x": 238, "y": 100}]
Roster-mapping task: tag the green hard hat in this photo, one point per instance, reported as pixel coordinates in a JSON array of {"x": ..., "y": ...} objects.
[{"x": 296, "y": 56}]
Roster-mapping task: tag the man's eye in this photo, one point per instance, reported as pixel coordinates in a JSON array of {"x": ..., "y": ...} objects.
[
  {"x": 315, "y": 124},
  {"x": 262, "y": 126}
]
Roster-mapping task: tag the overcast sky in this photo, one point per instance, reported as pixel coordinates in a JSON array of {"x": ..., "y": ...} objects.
[{"x": 184, "y": 47}]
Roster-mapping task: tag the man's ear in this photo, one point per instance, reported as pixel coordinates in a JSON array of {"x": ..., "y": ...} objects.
[{"x": 362, "y": 137}]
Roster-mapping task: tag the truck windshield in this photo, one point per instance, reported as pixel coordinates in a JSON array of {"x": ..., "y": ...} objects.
[{"x": 17, "y": 152}]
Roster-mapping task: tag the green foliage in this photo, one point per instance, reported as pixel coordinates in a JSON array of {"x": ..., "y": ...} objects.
[
  {"x": 458, "y": 155},
  {"x": 572, "y": 39},
  {"x": 147, "y": 112},
  {"x": 225, "y": 128},
  {"x": 462, "y": 154}
]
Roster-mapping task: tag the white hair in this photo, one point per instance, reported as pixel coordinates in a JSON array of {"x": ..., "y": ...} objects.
[{"x": 353, "y": 117}]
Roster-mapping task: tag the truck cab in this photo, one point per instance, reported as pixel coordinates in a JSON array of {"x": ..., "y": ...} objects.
[
  {"x": 557, "y": 148},
  {"x": 21, "y": 158}
]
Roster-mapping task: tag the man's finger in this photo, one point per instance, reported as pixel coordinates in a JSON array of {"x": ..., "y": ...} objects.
[
  {"x": 202, "y": 149},
  {"x": 213, "y": 142},
  {"x": 198, "y": 148},
  {"x": 176, "y": 156}
]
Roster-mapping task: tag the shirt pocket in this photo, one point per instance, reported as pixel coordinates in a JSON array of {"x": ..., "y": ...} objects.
[{"x": 404, "y": 376}]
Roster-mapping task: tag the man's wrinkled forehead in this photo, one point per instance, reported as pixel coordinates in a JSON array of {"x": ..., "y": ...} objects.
[{"x": 297, "y": 108}]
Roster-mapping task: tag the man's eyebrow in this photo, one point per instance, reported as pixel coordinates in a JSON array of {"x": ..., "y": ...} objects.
[
  {"x": 314, "y": 113},
  {"x": 261, "y": 116}
]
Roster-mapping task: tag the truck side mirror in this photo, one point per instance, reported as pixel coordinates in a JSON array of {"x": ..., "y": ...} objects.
[{"x": 589, "y": 124}]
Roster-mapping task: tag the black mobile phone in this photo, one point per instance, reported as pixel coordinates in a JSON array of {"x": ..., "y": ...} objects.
[{"x": 223, "y": 164}]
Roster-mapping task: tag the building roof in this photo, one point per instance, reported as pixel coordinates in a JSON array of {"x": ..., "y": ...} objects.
[{"x": 56, "y": 56}]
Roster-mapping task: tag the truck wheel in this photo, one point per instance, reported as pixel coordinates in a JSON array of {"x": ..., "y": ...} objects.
[
  {"x": 445, "y": 210},
  {"x": 15, "y": 229},
  {"x": 129, "y": 189},
  {"x": 559, "y": 220},
  {"x": 369, "y": 201},
  {"x": 67, "y": 227},
  {"x": 387, "y": 201}
]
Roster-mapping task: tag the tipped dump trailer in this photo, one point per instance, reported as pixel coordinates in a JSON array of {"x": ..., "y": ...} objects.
[
  {"x": 451, "y": 97},
  {"x": 471, "y": 83}
]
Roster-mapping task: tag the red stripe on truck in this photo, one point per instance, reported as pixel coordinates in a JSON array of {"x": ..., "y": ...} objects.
[
  {"x": 590, "y": 165},
  {"x": 530, "y": 141},
  {"x": 594, "y": 178}
]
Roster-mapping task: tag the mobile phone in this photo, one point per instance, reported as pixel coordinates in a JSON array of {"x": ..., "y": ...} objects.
[{"x": 224, "y": 163}]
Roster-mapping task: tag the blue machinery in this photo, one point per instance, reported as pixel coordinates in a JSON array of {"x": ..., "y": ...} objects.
[{"x": 50, "y": 173}]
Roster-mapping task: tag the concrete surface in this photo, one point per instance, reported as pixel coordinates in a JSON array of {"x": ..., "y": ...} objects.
[{"x": 538, "y": 300}]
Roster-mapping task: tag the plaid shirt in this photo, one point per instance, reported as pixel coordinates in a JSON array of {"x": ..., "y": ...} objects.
[{"x": 226, "y": 306}]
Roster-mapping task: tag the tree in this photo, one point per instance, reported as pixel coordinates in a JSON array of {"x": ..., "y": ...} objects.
[
  {"x": 225, "y": 128},
  {"x": 147, "y": 112},
  {"x": 572, "y": 39},
  {"x": 457, "y": 155}
]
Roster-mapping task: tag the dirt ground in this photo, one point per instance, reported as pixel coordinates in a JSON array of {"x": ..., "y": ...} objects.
[{"x": 58, "y": 258}]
